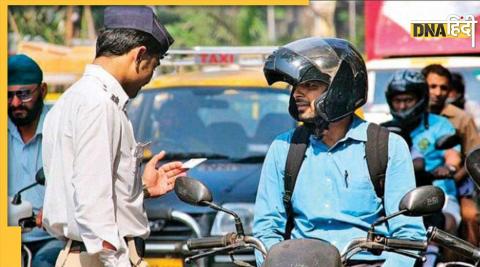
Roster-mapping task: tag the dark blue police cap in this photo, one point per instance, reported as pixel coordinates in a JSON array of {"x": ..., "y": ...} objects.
[{"x": 139, "y": 18}]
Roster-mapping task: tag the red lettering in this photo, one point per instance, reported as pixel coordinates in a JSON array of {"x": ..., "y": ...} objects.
[
  {"x": 213, "y": 59},
  {"x": 224, "y": 58},
  {"x": 203, "y": 58}
]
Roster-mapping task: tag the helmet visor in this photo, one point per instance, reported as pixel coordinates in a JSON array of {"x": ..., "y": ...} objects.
[{"x": 303, "y": 60}]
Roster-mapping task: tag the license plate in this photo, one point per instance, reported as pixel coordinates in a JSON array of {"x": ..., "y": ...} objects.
[{"x": 166, "y": 262}]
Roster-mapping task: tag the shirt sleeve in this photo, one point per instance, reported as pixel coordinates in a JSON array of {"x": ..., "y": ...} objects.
[
  {"x": 92, "y": 176},
  {"x": 399, "y": 180},
  {"x": 270, "y": 216}
]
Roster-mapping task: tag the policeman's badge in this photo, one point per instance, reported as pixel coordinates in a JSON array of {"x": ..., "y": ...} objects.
[{"x": 423, "y": 144}]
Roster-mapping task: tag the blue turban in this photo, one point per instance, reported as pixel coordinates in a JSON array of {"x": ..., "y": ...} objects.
[{"x": 23, "y": 70}]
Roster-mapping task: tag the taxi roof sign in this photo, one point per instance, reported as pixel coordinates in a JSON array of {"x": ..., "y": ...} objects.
[{"x": 241, "y": 56}]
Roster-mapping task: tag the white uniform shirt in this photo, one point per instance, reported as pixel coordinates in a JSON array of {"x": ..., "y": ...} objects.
[{"x": 93, "y": 192}]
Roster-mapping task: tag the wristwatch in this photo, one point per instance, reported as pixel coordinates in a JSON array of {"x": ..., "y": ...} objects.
[
  {"x": 452, "y": 169},
  {"x": 146, "y": 194}
]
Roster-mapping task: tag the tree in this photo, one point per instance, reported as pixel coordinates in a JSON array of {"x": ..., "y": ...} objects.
[{"x": 39, "y": 22}]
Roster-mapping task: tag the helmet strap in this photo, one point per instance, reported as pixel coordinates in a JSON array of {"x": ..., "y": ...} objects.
[{"x": 320, "y": 125}]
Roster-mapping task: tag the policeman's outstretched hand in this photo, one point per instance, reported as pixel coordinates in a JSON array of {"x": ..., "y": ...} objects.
[{"x": 162, "y": 180}]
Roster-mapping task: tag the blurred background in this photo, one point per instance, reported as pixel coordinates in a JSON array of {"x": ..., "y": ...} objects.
[{"x": 197, "y": 26}]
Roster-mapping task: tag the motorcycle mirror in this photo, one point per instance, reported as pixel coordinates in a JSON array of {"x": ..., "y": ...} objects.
[
  {"x": 472, "y": 164},
  {"x": 40, "y": 177},
  {"x": 192, "y": 191},
  {"x": 447, "y": 142},
  {"x": 422, "y": 201},
  {"x": 419, "y": 201}
]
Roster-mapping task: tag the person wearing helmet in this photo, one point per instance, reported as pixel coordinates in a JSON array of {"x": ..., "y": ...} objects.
[
  {"x": 407, "y": 95},
  {"x": 441, "y": 83},
  {"x": 333, "y": 198}
]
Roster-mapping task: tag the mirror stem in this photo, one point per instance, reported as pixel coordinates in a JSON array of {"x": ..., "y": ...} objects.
[
  {"x": 17, "y": 198},
  {"x": 238, "y": 222},
  {"x": 386, "y": 218}
]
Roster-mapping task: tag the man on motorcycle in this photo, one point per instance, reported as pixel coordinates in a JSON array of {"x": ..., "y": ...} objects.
[
  {"x": 334, "y": 198},
  {"x": 439, "y": 80},
  {"x": 95, "y": 191},
  {"x": 407, "y": 96},
  {"x": 26, "y": 112}
]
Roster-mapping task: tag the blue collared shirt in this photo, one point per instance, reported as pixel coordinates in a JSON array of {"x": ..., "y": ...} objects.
[
  {"x": 24, "y": 160},
  {"x": 334, "y": 198},
  {"x": 423, "y": 141}
]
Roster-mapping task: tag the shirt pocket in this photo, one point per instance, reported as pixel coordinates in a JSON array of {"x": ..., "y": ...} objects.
[{"x": 359, "y": 197}]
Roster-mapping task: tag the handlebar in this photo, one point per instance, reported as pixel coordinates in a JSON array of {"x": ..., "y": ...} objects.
[
  {"x": 406, "y": 244},
  {"x": 27, "y": 224},
  {"x": 230, "y": 241},
  {"x": 210, "y": 242},
  {"x": 378, "y": 244},
  {"x": 454, "y": 243},
  {"x": 384, "y": 243}
]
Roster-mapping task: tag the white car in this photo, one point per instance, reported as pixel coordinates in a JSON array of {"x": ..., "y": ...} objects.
[{"x": 380, "y": 72}]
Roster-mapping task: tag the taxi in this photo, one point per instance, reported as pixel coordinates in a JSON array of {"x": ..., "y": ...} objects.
[
  {"x": 227, "y": 114},
  {"x": 51, "y": 98}
]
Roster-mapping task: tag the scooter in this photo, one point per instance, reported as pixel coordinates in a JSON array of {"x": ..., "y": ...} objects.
[
  {"x": 418, "y": 202},
  {"x": 20, "y": 212}
]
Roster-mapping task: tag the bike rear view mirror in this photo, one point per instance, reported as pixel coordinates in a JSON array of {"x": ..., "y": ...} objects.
[
  {"x": 192, "y": 191},
  {"x": 422, "y": 201},
  {"x": 40, "y": 177}
]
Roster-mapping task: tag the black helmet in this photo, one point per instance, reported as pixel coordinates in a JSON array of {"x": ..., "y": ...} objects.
[
  {"x": 334, "y": 62},
  {"x": 407, "y": 81}
]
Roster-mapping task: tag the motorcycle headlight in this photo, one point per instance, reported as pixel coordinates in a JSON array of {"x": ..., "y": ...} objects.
[{"x": 224, "y": 223}]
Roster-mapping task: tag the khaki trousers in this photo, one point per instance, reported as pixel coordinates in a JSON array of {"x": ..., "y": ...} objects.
[{"x": 67, "y": 258}]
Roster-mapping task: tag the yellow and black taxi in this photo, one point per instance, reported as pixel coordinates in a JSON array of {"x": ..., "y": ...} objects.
[{"x": 229, "y": 117}]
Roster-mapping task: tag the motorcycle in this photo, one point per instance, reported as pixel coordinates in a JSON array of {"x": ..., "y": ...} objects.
[
  {"x": 20, "y": 212},
  {"x": 418, "y": 202}
]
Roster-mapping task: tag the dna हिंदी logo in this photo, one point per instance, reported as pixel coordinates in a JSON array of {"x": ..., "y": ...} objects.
[{"x": 453, "y": 27}]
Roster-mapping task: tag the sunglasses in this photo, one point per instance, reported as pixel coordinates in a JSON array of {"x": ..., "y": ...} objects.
[{"x": 23, "y": 94}]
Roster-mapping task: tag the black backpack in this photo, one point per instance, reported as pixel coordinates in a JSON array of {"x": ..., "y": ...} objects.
[{"x": 376, "y": 152}]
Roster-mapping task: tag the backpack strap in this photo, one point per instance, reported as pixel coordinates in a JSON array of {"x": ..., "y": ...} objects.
[
  {"x": 376, "y": 153},
  {"x": 296, "y": 155}
]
